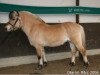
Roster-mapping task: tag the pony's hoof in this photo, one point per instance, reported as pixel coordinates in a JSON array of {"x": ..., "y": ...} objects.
[
  {"x": 86, "y": 64},
  {"x": 39, "y": 67},
  {"x": 45, "y": 63},
  {"x": 72, "y": 64}
]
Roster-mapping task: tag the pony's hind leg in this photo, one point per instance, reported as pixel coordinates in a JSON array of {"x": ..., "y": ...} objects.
[
  {"x": 73, "y": 52},
  {"x": 83, "y": 52}
]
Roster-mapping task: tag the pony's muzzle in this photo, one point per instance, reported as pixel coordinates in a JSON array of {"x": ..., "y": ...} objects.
[{"x": 8, "y": 28}]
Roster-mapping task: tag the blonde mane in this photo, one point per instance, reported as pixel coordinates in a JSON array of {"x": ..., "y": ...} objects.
[{"x": 34, "y": 15}]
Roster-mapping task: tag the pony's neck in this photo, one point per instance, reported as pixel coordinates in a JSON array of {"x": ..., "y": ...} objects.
[{"x": 31, "y": 22}]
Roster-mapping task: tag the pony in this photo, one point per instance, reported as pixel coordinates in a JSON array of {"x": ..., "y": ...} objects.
[{"x": 41, "y": 34}]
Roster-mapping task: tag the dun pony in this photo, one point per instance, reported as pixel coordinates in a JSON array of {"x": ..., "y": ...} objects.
[{"x": 41, "y": 34}]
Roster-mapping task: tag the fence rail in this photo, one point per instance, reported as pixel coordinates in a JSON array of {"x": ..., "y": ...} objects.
[{"x": 50, "y": 10}]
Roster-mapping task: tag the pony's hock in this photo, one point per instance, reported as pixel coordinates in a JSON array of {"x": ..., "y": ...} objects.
[{"x": 41, "y": 34}]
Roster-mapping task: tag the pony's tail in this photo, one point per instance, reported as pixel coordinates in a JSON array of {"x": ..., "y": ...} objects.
[{"x": 83, "y": 38}]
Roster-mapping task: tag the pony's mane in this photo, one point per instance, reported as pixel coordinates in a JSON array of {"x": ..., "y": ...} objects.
[{"x": 35, "y": 16}]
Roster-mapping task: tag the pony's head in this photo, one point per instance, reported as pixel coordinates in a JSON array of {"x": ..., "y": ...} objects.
[{"x": 14, "y": 21}]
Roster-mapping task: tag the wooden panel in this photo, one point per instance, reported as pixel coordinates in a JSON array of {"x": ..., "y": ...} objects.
[
  {"x": 17, "y": 44},
  {"x": 92, "y": 31}
]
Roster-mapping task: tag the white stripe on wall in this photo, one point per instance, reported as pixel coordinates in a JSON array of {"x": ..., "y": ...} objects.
[
  {"x": 41, "y": 2},
  {"x": 48, "y": 18},
  {"x": 89, "y": 18},
  {"x": 58, "y": 18},
  {"x": 15, "y": 61}
]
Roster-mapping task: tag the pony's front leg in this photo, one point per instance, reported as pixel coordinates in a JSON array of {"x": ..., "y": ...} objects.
[
  {"x": 44, "y": 58},
  {"x": 73, "y": 52},
  {"x": 41, "y": 56}
]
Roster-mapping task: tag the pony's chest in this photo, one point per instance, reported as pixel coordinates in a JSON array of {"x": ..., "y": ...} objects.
[{"x": 36, "y": 39}]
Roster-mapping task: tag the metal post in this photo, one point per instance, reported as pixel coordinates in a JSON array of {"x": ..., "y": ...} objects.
[
  {"x": 77, "y": 21},
  {"x": 77, "y": 15}
]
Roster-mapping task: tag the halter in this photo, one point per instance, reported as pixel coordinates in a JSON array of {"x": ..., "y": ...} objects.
[{"x": 13, "y": 25}]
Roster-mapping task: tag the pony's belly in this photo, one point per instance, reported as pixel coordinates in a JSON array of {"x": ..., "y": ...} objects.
[{"x": 56, "y": 42}]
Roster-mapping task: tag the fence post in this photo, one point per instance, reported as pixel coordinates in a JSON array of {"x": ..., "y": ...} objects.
[{"x": 77, "y": 21}]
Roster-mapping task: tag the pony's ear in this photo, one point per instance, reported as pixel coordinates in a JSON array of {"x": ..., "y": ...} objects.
[{"x": 13, "y": 14}]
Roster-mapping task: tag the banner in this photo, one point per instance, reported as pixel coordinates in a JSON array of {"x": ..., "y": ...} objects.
[{"x": 49, "y": 10}]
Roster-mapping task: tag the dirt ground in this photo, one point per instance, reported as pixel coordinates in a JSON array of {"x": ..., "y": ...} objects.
[{"x": 58, "y": 67}]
